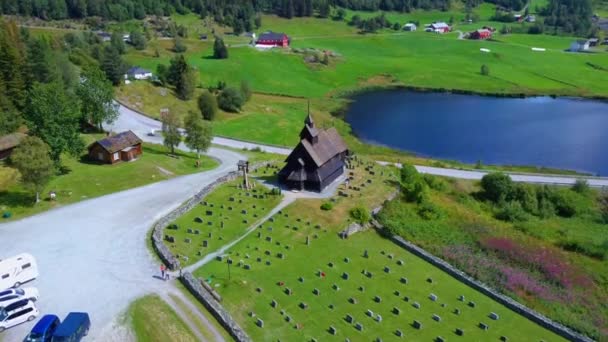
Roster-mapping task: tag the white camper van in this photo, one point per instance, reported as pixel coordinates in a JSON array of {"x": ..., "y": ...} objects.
[{"x": 17, "y": 270}]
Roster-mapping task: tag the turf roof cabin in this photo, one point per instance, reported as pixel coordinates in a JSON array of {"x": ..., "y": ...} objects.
[
  {"x": 317, "y": 161},
  {"x": 125, "y": 146}
]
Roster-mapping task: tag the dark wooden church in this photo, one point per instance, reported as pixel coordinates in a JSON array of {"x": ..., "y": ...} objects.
[{"x": 317, "y": 161}]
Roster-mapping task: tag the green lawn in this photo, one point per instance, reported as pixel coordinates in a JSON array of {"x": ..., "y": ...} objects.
[
  {"x": 85, "y": 180},
  {"x": 272, "y": 274},
  {"x": 222, "y": 216},
  {"x": 153, "y": 320}
]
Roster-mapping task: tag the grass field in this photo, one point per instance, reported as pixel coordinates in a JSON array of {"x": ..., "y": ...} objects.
[
  {"x": 223, "y": 216},
  {"x": 153, "y": 320},
  {"x": 270, "y": 275},
  {"x": 85, "y": 180}
]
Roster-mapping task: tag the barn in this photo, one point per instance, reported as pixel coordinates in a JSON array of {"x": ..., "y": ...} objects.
[
  {"x": 273, "y": 39},
  {"x": 125, "y": 146},
  {"x": 481, "y": 34},
  {"x": 317, "y": 161},
  {"x": 440, "y": 27}
]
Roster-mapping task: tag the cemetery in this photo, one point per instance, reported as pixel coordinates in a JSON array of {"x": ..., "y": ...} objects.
[
  {"x": 298, "y": 279},
  {"x": 222, "y": 216}
]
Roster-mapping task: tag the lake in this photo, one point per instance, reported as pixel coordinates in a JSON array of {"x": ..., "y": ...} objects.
[{"x": 564, "y": 133}]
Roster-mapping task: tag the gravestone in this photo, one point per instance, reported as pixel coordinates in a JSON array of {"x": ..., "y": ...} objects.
[
  {"x": 273, "y": 303},
  {"x": 205, "y": 243},
  {"x": 429, "y": 280},
  {"x": 416, "y": 305},
  {"x": 365, "y": 254},
  {"x": 359, "y": 326},
  {"x": 301, "y": 279},
  {"x": 352, "y": 300},
  {"x": 316, "y": 292},
  {"x": 406, "y": 298},
  {"x": 269, "y": 238},
  {"x": 169, "y": 238},
  {"x": 369, "y": 274},
  {"x": 345, "y": 276},
  {"x": 436, "y": 318},
  {"x": 336, "y": 287},
  {"x": 268, "y": 263},
  {"x": 288, "y": 318},
  {"x": 399, "y": 333},
  {"x": 288, "y": 291},
  {"x": 330, "y": 264},
  {"x": 259, "y": 289},
  {"x": 378, "y": 318},
  {"x": 377, "y": 299},
  {"x": 459, "y": 332},
  {"x": 396, "y": 311},
  {"x": 198, "y": 220},
  {"x": 209, "y": 235},
  {"x": 439, "y": 339},
  {"x": 457, "y": 311},
  {"x": 390, "y": 256},
  {"x": 433, "y": 297},
  {"x": 303, "y": 306},
  {"x": 190, "y": 231},
  {"x": 417, "y": 325},
  {"x": 461, "y": 298},
  {"x": 281, "y": 256},
  {"x": 483, "y": 326},
  {"x": 400, "y": 262},
  {"x": 362, "y": 288},
  {"x": 260, "y": 323},
  {"x": 387, "y": 269},
  {"x": 197, "y": 232},
  {"x": 504, "y": 338},
  {"x": 349, "y": 318},
  {"x": 282, "y": 312},
  {"x": 332, "y": 330},
  {"x": 494, "y": 316},
  {"x": 472, "y": 304},
  {"x": 346, "y": 260},
  {"x": 187, "y": 240},
  {"x": 397, "y": 293},
  {"x": 403, "y": 280},
  {"x": 370, "y": 313},
  {"x": 209, "y": 213}
]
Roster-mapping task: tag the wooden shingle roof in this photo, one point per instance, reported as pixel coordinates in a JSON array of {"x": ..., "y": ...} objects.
[
  {"x": 329, "y": 144},
  {"x": 10, "y": 141},
  {"x": 118, "y": 142}
]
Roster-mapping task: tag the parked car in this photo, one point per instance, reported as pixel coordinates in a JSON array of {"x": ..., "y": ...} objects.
[
  {"x": 10, "y": 296},
  {"x": 44, "y": 329},
  {"x": 74, "y": 327},
  {"x": 17, "y": 270},
  {"x": 17, "y": 313}
]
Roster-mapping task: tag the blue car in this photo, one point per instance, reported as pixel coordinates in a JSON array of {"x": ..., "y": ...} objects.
[
  {"x": 44, "y": 329},
  {"x": 74, "y": 327}
]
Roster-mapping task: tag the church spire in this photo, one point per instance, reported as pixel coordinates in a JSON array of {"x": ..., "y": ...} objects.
[{"x": 308, "y": 121}]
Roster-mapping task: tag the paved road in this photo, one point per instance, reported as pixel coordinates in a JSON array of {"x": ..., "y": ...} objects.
[
  {"x": 92, "y": 255},
  {"x": 132, "y": 119}
]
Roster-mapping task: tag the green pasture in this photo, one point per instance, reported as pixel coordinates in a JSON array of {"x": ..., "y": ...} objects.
[
  {"x": 153, "y": 320},
  {"x": 84, "y": 179},
  {"x": 222, "y": 216}
]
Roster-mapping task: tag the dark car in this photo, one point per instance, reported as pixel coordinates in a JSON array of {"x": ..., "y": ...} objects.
[
  {"x": 73, "y": 328},
  {"x": 44, "y": 329}
]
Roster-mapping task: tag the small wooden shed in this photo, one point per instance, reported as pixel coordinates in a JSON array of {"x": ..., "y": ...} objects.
[{"x": 125, "y": 146}]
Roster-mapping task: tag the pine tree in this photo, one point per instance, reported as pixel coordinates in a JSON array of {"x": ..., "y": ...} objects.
[{"x": 112, "y": 65}]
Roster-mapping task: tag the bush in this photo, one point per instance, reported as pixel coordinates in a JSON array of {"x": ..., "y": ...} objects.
[
  {"x": 219, "y": 49},
  {"x": 360, "y": 214},
  {"x": 207, "y": 104},
  {"x": 603, "y": 201},
  {"x": 497, "y": 187},
  {"x": 485, "y": 70},
  {"x": 581, "y": 186},
  {"x": 435, "y": 182},
  {"x": 526, "y": 195},
  {"x": 511, "y": 212},
  {"x": 564, "y": 202},
  {"x": 230, "y": 100},
  {"x": 179, "y": 46},
  {"x": 327, "y": 206},
  {"x": 429, "y": 211}
]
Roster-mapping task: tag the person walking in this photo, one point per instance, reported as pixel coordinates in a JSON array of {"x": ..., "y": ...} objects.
[{"x": 162, "y": 271}]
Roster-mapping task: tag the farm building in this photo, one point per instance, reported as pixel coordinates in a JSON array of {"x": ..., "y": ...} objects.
[
  {"x": 579, "y": 46},
  {"x": 8, "y": 144},
  {"x": 317, "y": 161},
  {"x": 125, "y": 146},
  {"x": 273, "y": 39},
  {"x": 481, "y": 34},
  {"x": 439, "y": 27},
  {"x": 138, "y": 73},
  {"x": 409, "y": 27}
]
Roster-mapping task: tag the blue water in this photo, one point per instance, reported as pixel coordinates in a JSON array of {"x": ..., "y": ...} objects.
[{"x": 560, "y": 133}]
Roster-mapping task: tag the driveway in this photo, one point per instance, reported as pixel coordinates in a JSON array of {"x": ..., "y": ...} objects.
[{"x": 92, "y": 255}]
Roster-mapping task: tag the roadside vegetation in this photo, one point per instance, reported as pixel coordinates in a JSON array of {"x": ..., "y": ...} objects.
[
  {"x": 545, "y": 246},
  {"x": 81, "y": 179},
  {"x": 153, "y": 320}
]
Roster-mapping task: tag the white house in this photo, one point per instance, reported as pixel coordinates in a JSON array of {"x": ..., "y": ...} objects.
[
  {"x": 138, "y": 73},
  {"x": 409, "y": 27},
  {"x": 579, "y": 46}
]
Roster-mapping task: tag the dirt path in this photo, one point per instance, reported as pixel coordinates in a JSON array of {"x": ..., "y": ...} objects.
[{"x": 183, "y": 316}]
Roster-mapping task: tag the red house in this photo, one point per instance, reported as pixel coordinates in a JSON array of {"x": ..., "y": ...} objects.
[
  {"x": 481, "y": 34},
  {"x": 273, "y": 39}
]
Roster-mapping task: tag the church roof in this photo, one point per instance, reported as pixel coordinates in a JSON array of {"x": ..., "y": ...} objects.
[{"x": 328, "y": 145}]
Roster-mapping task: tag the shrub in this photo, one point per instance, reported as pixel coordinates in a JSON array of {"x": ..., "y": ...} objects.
[
  {"x": 179, "y": 46},
  {"x": 435, "y": 182},
  {"x": 604, "y": 206},
  {"x": 526, "y": 195},
  {"x": 429, "y": 211},
  {"x": 564, "y": 202},
  {"x": 327, "y": 206},
  {"x": 485, "y": 70},
  {"x": 230, "y": 100},
  {"x": 219, "y": 49},
  {"x": 207, "y": 104},
  {"x": 497, "y": 186},
  {"x": 360, "y": 214},
  {"x": 511, "y": 212},
  {"x": 581, "y": 186}
]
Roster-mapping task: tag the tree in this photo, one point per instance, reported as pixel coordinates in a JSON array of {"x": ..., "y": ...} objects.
[
  {"x": 219, "y": 49},
  {"x": 324, "y": 9},
  {"x": 40, "y": 61},
  {"x": 485, "y": 70},
  {"x": 179, "y": 46},
  {"x": 207, "y": 103},
  {"x": 340, "y": 14},
  {"x": 118, "y": 43},
  {"x": 53, "y": 114},
  {"x": 413, "y": 186},
  {"x": 186, "y": 85},
  {"x": 497, "y": 186},
  {"x": 177, "y": 67},
  {"x": 112, "y": 65},
  {"x": 360, "y": 214},
  {"x": 230, "y": 100},
  {"x": 581, "y": 186},
  {"x": 246, "y": 90},
  {"x": 170, "y": 128},
  {"x": 32, "y": 160},
  {"x": 97, "y": 96},
  {"x": 198, "y": 133},
  {"x": 138, "y": 40}
]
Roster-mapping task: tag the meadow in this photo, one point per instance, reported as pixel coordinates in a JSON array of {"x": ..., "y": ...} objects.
[
  {"x": 153, "y": 320},
  {"x": 83, "y": 179},
  {"x": 303, "y": 290}
]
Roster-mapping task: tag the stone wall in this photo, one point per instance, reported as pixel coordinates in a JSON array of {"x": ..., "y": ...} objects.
[
  {"x": 488, "y": 291},
  {"x": 194, "y": 286}
]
